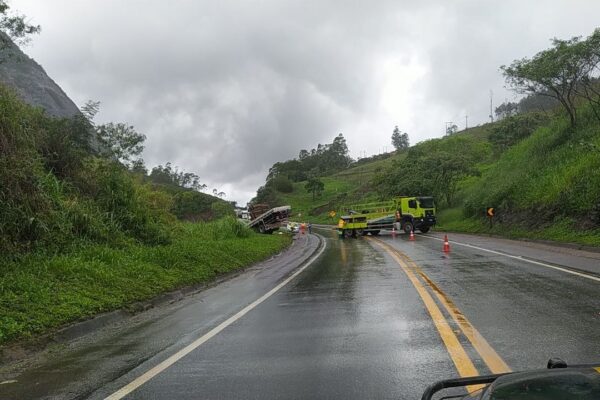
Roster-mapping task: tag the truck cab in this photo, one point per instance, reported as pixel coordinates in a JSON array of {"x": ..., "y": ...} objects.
[{"x": 416, "y": 213}]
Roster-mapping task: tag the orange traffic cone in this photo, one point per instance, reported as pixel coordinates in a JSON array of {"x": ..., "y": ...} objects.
[
  {"x": 446, "y": 244},
  {"x": 412, "y": 235}
]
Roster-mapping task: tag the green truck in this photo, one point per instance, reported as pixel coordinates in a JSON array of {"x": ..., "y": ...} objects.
[{"x": 401, "y": 213}]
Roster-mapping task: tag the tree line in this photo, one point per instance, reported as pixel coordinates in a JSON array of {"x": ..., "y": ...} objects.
[
  {"x": 310, "y": 166},
  {"x": 567, "y": 73}
]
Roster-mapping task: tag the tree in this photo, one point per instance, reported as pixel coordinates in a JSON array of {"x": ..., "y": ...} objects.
[
  {"x": 434, "y": 167},
  {"x": 336, "y": 155},
  {"x": 303, "y": 154},
  {"x": 89, "y": 110},
  {"x": 506, "y": 109},
  {"x": 589, "y": 88},
  {"x": 451, "y": 129},
  {"x": 314, "y": 186},
  {"x": 116, "y": 140},
  {"x": 399, "y": 139},
  {"x": 139, "y": 167},
  {"x": 15, "y": 26},
  {"x": 120, "y": 141},
  {"x": 559, "y": 72},
  {"x": 447, "y": 169},
  {"x": 266, "y": 194},
  {"x": 172, "y": 176}
]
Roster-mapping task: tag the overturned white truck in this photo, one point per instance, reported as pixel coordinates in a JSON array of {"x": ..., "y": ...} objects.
[{"x": 265, "y": 220}]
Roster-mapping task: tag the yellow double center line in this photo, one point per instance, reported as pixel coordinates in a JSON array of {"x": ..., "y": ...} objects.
[{"x": 459, "y": 356}]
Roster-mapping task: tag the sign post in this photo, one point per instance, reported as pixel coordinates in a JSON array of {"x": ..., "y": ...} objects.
[{"x": 490, "y": 215}]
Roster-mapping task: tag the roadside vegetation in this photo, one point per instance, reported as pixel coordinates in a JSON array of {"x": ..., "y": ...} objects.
[
  {"x": 538, "y": 165},
  {"x": 41, "y": 292},
  {"x": 84, "y": 228}
]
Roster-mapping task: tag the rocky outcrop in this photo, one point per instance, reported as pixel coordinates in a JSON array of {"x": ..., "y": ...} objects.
[{"x": 31, "y": 82}]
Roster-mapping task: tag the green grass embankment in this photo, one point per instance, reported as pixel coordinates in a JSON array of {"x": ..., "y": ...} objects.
[
  {"x": 349, "y": 186},
  {"x": 560, "y": 230},
  {"x": 302, "y": 202},
  {"x": 39, "y": 292}
]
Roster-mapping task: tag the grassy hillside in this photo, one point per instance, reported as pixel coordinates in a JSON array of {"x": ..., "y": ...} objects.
[
  {"x": 541, "y": 176},
  {"x": 357, "y": 183},
  {"x": 304, "y": 208},
  {"x": 350, "y": 185},
  {"x": 546, "y": 186}
]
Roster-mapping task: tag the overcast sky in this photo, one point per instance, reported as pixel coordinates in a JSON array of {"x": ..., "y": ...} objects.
[{"x": 227, "y": 88}]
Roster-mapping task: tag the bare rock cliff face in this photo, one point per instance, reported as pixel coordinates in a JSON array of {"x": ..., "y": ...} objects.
[{"x": 31, "y": 82}]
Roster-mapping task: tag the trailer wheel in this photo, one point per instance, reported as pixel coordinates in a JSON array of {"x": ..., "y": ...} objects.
[
  {"x": 262, "y": 228},
  {"x": 408, "y": 227},
  {"x": 361, "y": 232},
  {"x": 424, "y": 229}
]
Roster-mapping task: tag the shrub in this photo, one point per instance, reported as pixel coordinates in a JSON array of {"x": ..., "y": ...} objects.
[
  {"x": 222, "y": 209},
  {"x": 511, "y": 130},
  {"x": 226, "y": 228},
  {"x": 127, "y": 203},
  {"x": 190, "y": 205},
  {"x": 65, "y": 145},
  {"x": 54, "y": 193}
]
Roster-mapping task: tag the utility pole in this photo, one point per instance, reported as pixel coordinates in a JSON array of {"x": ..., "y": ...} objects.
[
  {"x": 466, "y": 122},
  {"x": 491, "y": 106}
]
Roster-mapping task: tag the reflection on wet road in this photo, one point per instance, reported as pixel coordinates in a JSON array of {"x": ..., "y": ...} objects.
[
  {"x": 384, "y": 317},
  {"x": 528, "y": 313},
  {"x": 351, "y": 326},
  {"x": 376, "y": 318}
]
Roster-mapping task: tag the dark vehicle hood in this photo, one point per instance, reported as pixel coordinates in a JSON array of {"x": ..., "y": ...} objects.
[{"x": 556, "y": 384}]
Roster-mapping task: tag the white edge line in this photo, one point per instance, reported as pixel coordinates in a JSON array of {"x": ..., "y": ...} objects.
[
  {"x": 139, "y": 381},
  {"x": 521, "y": 258}
]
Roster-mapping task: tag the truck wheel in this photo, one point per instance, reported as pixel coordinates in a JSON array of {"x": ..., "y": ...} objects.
[
  {"x": 262, "y": 228},
  {"x": 408, "y": 227},
  {"x": 424, "y": 229},
  {"x": 347, "y": 233},
  {"x": 374, "y": 233},
  {"x": 361, "y": 232}
]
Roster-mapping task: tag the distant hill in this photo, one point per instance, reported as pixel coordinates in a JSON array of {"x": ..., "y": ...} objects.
[{"x": 541, "y": 176}]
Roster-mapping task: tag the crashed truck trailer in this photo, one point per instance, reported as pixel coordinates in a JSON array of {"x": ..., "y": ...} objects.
[{"x": 266, "y": 220}]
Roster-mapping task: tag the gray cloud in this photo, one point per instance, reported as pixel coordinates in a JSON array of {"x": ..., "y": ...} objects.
[{"x": 227, "y": 88}]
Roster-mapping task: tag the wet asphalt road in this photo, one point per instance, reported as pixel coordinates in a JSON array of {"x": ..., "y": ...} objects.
[
  {"x": 527, "y": 312},
  {"x": 352, "y": 325}
]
